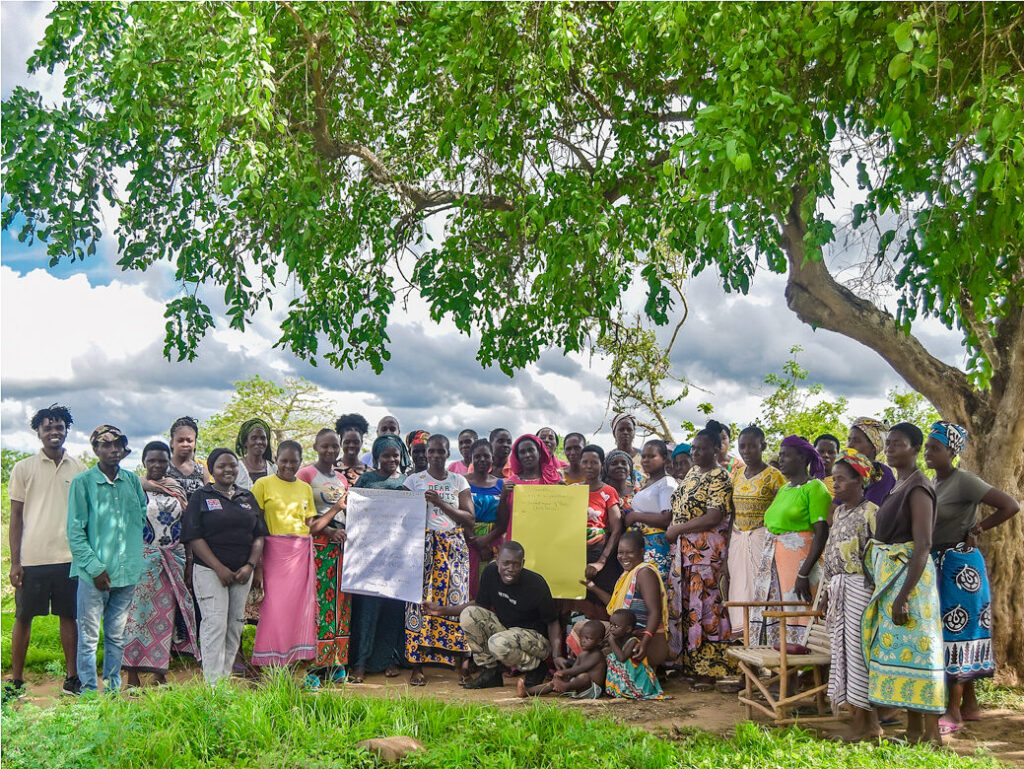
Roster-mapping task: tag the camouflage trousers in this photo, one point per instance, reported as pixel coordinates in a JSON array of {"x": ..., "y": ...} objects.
[{"x": 491, "y": 642}]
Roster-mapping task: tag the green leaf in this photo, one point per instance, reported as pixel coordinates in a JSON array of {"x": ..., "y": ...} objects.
[{"x": 899, "y": 66}]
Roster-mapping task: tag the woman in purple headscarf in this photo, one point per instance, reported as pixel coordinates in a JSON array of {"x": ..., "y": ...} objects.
[{"x": 797, "y": 523}]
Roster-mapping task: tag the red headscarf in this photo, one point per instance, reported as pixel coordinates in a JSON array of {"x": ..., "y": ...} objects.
[{"x": 548, "y": 464}]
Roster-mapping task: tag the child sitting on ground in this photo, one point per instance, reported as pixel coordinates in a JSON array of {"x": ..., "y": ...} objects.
[
  {"x": 585, "y": 679},
  {"x": 628, "y": 676}
]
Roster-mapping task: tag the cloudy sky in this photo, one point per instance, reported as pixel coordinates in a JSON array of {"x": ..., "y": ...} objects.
[{"x": 91, "y": 336}]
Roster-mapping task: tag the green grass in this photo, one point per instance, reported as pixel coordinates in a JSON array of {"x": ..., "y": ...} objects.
[
  {"x": 991, "y": 695},
  {"x": 279, "y": 725}
]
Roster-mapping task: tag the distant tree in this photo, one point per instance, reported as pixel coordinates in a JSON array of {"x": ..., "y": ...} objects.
[
  {"x": 795, "y": 408},
  {"x": 909, "y": 406},
  {"x": 296, "y": 409},
  {"x": 8, "y": 458}
]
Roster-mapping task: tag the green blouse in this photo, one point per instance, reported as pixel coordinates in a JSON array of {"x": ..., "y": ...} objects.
[{"x": 798, "y": 508}]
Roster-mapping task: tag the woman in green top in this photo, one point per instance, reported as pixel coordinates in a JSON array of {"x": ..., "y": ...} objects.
[{"x": 797, "y": 523}]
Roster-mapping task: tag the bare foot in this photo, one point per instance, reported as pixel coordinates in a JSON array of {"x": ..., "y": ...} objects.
[
  {"x": 416, "y": 678},
  {"x": 521, "y": 688},
  {"x": 356, "y": 676},
  {"x": 391, "y": 672}
]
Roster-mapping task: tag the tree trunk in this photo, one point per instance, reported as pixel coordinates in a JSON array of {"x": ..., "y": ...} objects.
[{"x": 994, "y": 417}]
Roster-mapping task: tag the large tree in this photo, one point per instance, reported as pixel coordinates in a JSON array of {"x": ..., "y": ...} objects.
[{"x": 513, "y": 162}]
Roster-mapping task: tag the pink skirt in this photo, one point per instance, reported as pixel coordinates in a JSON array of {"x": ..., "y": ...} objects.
[{"x": 287, "y": 628}]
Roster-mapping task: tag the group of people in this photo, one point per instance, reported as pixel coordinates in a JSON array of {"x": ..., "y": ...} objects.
[{"x": 678, "y": 539}]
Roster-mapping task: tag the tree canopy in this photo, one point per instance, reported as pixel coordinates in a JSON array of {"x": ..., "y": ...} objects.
[{"x": 516, "y": 164}]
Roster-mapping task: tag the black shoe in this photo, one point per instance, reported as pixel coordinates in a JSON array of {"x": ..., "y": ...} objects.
[
  {"x": 488, "y": 679},
  {"x": 13, "y": 690},
  {"x": 535, "y": 677},
  {"x": 72, "y": 686}
]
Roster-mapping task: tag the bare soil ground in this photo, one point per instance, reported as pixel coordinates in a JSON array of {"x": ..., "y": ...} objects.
[{"x": 999, "y": 733}]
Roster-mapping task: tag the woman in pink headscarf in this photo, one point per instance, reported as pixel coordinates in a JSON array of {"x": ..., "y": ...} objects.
[{"x": 530, "y": 464}]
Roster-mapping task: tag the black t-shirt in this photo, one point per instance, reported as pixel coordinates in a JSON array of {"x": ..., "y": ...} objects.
[
  {"x": 228, "y": 524},
  {"x": 526, "y": 603}
]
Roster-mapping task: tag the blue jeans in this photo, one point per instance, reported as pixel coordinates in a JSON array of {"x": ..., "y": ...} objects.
[{"x": 111, "y": 606}]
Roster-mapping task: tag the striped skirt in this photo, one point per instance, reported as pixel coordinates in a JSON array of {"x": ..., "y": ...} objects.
[{"x": 848, "y": 596}]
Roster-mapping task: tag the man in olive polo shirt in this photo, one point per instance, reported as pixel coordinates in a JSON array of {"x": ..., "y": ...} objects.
[
  {"x": 40, "y": 557},
  {"x": 106, "y": 515}
]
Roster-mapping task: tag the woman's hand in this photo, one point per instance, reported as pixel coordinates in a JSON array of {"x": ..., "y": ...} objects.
[
  {"x": 803, "y": 588},
  {"x": 900, "y": 610},
  {"x": 561, "y": 663},
  {"x": 432, "y": 497},
  {"x": 226, "y": 576},
  {"x": 431, "y": 608},
  {"x": 257, "y": 578},
  {"x": 593, "y": 569},
  {"x": 337, "y": 536},
  {"x": 641, "y": 649}
]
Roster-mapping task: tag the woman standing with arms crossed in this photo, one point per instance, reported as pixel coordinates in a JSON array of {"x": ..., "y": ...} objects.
[
  {"x": 902, "y": 628},
  {"x": 963, "y": 581}
]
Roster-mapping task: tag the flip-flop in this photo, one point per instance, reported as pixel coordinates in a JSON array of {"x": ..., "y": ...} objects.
[
  {"x": 948, "y": 727},
  {"x": 701, "y": 686},
  {"x": 421, "y": 681}
]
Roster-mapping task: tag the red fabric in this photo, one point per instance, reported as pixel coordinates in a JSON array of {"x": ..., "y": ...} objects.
[{"x": 548, "y": 464}]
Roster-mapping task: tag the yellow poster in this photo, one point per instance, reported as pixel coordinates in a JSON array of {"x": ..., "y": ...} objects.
[{"x": 550, "y": 522}]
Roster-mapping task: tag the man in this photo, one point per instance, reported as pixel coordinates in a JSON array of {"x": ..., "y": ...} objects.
[
  {"x": 40, "y": 557},
  {"x": 388, "y": 425},
  {"x": 508, "y": 621},
  {"x": 106, "y": 515}
]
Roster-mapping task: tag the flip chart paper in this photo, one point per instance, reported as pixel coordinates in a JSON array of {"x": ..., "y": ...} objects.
[{"x": 550, "y": 522}]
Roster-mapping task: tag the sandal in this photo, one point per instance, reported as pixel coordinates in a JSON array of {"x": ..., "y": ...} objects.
[
  {"x": 417, "y": 679},
  {"x": 392, "y": 672},
  {"x": 701, "y": 686},
  {"x": 947, "y": 728}
]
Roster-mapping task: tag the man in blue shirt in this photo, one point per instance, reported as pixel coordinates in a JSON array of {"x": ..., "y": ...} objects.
[{"x": 106, "y": 515}]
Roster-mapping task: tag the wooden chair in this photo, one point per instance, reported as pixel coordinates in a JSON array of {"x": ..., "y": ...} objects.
[{"x": 782, "y": 664}]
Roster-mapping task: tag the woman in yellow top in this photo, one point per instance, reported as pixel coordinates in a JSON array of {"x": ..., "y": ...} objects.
[
  {"x": 754, "y": 488},
  {"x": 287, "y": 628}
]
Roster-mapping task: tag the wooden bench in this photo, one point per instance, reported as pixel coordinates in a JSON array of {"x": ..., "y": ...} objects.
[{"x": 782, "y": 664}]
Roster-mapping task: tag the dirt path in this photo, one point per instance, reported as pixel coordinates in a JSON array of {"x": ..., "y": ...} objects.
[{"x": 1000, "y": 732}]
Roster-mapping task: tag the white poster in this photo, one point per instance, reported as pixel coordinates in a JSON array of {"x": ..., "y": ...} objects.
[{"x": 386, "y": 540}]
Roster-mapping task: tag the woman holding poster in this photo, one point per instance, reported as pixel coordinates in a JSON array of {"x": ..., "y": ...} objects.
[
  {"x": 378, "y": 623},
  {"x": 438, "y": 639}
]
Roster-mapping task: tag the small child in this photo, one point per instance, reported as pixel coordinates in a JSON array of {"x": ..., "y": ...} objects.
[
  {"x": 628, "y": 677},
  {"x": 585, "y": 679}
]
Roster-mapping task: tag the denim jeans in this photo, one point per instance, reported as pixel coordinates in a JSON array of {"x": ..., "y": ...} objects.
[
  {"x": 220, "y": 631},
  {"x": 110, "y": 606}
]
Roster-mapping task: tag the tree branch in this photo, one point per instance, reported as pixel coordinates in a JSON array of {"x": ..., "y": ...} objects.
[{"x": 818, "y": 300}]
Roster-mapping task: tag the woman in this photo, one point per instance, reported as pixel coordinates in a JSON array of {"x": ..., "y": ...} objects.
[
  {"x": 388, "y": 425},
  {"x": 754, "y": 489},
  {"x": 573, "y": 445},
  {"x": 255, "y": 457},
  {"x": 464, "y": 463},
  {"x": 160, "y": 594},
  {"x": 489, "y": 528},
  {"x": 378, "y": 624},
  {"x": 183, "y": 467},
  {"x": 417, "y": 443},
  {"x": 732, "y": 465},
  {"x": 529, "y": 464},
  {"x": 827, "y": 446},
  {"x": 433, "y": 639},
  {"x": 501, "y": 448},
  {"x": 640, "y": 590},
  {"x": 550, "y": 439},
  {"x": 651, "y": 511},
  {"x": 351, "y": 430},
  {"x": 797, "y": 523},
  {"x": 681, "y": 462},
  {"x": 619, "y": 474},
  {"x": 701, "y": 517},
  {"x": 224, "y": 526},
  {"x": 604, "y": 527},
  {"x": 963, "y": 582},
  {"x": 902, "y": 630},
  {"x": 851, "y": 527},
  {"x": 624, "y": 431},
  {"x": 287, "y": 628},
  {"x": 867, "y": 436},
  {"x": 328, "y": 532}
]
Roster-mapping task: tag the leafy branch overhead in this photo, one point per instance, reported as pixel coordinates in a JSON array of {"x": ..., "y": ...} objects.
[{"x": 516, "y": 163}]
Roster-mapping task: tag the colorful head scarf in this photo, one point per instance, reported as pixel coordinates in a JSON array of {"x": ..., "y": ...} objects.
[
  {"x": 681, "y": 448},
  {"x": 860, "y": 464},
  {"x": 816, "y": 467},
  {"x": 109, "y": 434},
  {"x": 416, "y": 437},
  {"x": 873, "y": 429},
  {"x": 949, "y": 434},
  {"x": 548, "y": 465},
  {"x": 387, "y": 441},
  {"x": 619, "y": 418},
  {"x": 243, "y": 435}
]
